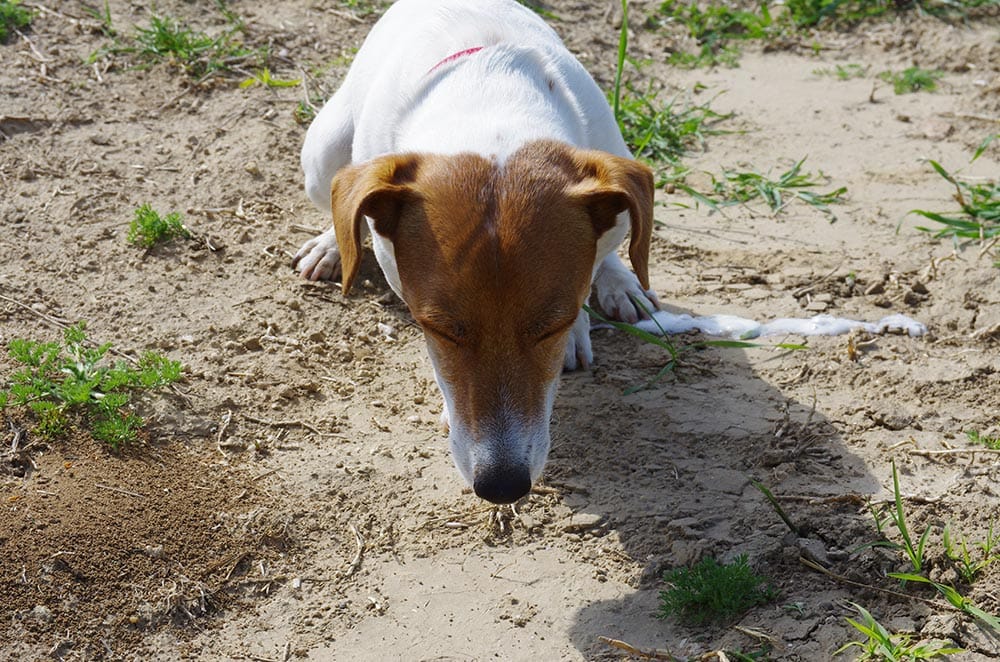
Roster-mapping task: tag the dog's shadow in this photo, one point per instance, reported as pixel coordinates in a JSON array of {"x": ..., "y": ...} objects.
[{"x": 669, "y": 470}]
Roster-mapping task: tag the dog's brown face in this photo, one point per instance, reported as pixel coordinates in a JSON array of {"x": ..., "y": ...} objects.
[{"x": 495, "y": 262}]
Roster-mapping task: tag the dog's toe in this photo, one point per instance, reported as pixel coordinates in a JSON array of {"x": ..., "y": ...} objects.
[
  {"x": 319, "y": 258},
  {"x": 579, "y": 353}
]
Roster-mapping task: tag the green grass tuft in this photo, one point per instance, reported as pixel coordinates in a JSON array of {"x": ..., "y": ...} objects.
[
  {"x": 713, "y": 593},
  {"x": 195, "y": 53},
  {"x": 714, "y": 27},
  {"x": 912, "y": 80},
  {"x": 975, "y": 437},
  {"x": 13, "y": 17},
  {"x": 962, "y": 559},
  {"x": 74, "y": 385},
  {"x": 661, "y": 132},
  {"x": 737, "y": 187},
  {"x": 880, "y": 645},
  {"x": 148, "y": 228},
  {"x": 843, "y": 71},
  {"x": 978, "y": 217}
]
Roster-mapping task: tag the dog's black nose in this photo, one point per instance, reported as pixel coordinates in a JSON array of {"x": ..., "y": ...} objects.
[{"x": 504, "y": 484}]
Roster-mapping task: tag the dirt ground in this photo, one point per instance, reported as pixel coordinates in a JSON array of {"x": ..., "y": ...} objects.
[{"x": 295, "y": 498}]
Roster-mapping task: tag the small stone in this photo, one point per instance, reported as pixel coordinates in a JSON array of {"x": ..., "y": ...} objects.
[
  {"x": 814, "y": 550},
  {"x": 579, "y": 522},
  {"x": 817, "y": 306},
  {"x": 41, "y": 613},
  {"x": 875, "y": 288}
]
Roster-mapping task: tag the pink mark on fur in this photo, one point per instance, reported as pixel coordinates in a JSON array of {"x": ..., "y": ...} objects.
[{"x": 456, "y": 56}]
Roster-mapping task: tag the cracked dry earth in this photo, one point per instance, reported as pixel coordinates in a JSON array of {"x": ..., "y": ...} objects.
[{"x": 295, "y": 498}]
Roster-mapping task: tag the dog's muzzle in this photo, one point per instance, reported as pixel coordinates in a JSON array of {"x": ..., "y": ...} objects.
[{"x": 502, "y": 483}]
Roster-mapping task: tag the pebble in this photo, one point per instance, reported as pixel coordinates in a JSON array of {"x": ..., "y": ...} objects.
[
  {"x": 41, "y": 613},
  {"x": 579, "y": 522}
]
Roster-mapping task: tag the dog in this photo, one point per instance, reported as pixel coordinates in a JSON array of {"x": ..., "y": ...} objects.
[{"x": 489, "y": 170}]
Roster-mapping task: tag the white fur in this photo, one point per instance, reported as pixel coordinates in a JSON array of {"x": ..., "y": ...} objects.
[{"x": 399, "y": 97}]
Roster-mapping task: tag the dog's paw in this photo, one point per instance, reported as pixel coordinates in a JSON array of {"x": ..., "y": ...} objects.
[
  {"x": 621, "y": 296},
  {"x": 579, "y": 352},
  {"x": 319, "y": 258}
]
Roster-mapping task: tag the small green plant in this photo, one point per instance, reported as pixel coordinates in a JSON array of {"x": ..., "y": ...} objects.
[
  {"x": 195, "y": 53},
  {"x": 714, "y": 27},
  {"x": 13, "y": 17},
  {"x": 912, "y": 80},
  {"x": 809, "y": 13},
  {"x": 882, "y": 646},
  {"x": 955, "y": 599},
  {"x": 103, "y": 17},
  {"x": 710, "y": 592},
  {"x": 915, "y": 553},
  {"x": 363, "y": 7},
  {"x": 979, "y": 215},
  {"x": 737, "y": 187},
  {"x": 960, "y": 556},
  {"x": 264, "y": 77},
  {"x": 661, "y": 133},
  {"x": 73, "y": 383},
  {"x": 845, "y": 13},
  {"x": 843, "y": 71},
  {"x": 993, "y": 443},
  {"x": 148, "y": 228}
]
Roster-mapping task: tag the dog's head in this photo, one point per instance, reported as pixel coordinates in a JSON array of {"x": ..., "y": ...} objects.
[{"x": 495, "y": 262}]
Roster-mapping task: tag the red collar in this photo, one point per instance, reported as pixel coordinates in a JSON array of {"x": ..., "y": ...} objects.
[{"x": 455, "y": 56}]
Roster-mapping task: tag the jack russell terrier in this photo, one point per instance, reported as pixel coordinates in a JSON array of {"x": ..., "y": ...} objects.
[{"x": 496, "y": 185}]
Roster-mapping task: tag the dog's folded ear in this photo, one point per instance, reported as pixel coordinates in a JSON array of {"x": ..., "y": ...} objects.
[
  {"x": 377, "y": 189},
  {"x": 610, "y": 185}
]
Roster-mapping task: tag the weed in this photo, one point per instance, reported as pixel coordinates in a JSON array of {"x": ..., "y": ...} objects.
[
  {"x": 915, "y": 553},
  {"x": 148, "y": 228},
  {"x": 975, "y": 437},
  {"x": 954, "y": 598},
  {"x": 105, "y": 25},
  {"x": 979, "y": 215},
  {"x": 656, "y": 132},
  {"x": 741, "y": 187},
  {"x": 959, "y": 554},
  {"x": 363, "y": 7},
  {"x": 541, "y": 11},
  {"x": 713, "y": 27},
  {"x": 843, "y": 71},
  {"x": 777, "y": 508},
  {"x": 661, "y": 132},
  {"x": 809, "y": 13},
  {"x": 73, "y": 383},
  {"x": 264, "y": 77},
  {"x": 195, "y": 53},
  {"x": 912, "y": 80},
  {"x": 13, "y": 17},
  {"x": 709, "y": 592},
  {"x": 881, "y": 645}
]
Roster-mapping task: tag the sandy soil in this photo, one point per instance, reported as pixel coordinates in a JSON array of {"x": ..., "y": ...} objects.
[{"x": 296, "y": 500}]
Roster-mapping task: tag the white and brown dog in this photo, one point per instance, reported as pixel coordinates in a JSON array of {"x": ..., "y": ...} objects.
[{"x": 496, "y": 185}]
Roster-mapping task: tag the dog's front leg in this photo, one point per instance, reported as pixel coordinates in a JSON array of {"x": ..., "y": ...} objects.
[{"x": 620, "y": 294}]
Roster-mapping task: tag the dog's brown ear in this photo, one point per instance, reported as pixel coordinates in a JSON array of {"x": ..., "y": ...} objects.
[
  {"x": 610, "y": 185},
  {"x": 378, "y": 189}
]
